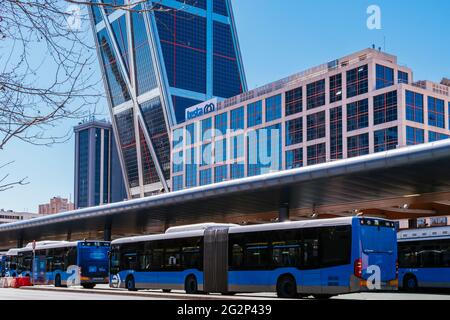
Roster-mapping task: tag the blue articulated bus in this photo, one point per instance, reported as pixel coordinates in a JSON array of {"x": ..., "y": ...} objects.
[
  {"x": 424, "y": 258},
  {"x": 61, "y": 263},
  {"x": 320, "y": 258}
]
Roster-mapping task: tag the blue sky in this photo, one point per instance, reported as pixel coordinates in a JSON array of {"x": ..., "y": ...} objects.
[{"x": 278, "y": 38}]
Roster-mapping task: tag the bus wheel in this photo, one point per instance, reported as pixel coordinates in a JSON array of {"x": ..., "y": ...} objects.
[
  {"x": 190, "y": 285},
  {"x": 88, "y": 285},
  {"x": 131, "y": 286},
  {"x": 58, "y": 281},
  {"x": 410, "y": 283},
  {"x": 287, "y": 287}
]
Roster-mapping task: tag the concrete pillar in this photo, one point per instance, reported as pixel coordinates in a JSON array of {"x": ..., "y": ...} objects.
[
  {"x": 283, "y": 213},
  {"x": 20, "y": 242},
  {"x": 107, "y": 232}
]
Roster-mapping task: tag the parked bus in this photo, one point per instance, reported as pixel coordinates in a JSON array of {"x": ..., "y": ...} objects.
[
  {"x": 424, "y": 258},
  {"x": 321, "y": 258},
  {"x": 2, "y": 263},
  {"x": 57, "y": 262},
  {"x": 10, "y": 263}
]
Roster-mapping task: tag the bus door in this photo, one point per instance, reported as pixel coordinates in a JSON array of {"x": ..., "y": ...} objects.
[
  {"x": 215, "y": 260},
  {"x": 310, "y": 278},
  {"x": 39, "y": 268}
]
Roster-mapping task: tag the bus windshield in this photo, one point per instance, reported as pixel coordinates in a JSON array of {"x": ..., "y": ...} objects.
[{"x": 378, "y": 239}]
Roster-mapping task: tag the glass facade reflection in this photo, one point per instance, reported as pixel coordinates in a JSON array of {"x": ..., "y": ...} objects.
[{"x": 156, "y": 64}]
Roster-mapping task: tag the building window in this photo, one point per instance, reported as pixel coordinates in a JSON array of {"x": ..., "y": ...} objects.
[
  {"x": 294, "y": 159},
  {"x": 205, "y": 177},
  {"x": 254, "y": 114},
  {"x": 264, "y": 150},
  {"x": 221, "y": 123},
  {"x": 358, "y": 145},
  {"x": 436, "y": 112},
  {"x": 220, "y": 174},
  {"x": 436, "y": 136},
  {"x": 385, "y": 107},
  {"x": 414, "y": 106},
  {"x": 294, "y": 131},
  {"x": 386, "y": 139},
  {"x": 336, "y": 88},
  {"x": 237, "y": 146},
  {"x": 237, "y": 171},
  {"x": 191, "y": 168},
  {"x": 206, "y": 154},
  {"x": 220, "y": 151},
  {"x": 190, "y": 134},
  {"x": 177, "y": 183},
  {"x": 336, "y": 133},
  {"x": 315, "y": 94},
  {"x": 177, "y": 165},
  {"x": 294, "y": 101},
  {"x": 358, "y": 115},
  {"x": 385, "y": 77},
  {"x": 237, "y": 119},
  {"x": 206, "y": 129},
  {"x": 403, "y": 77},
  {"x": 414, "y": 136},
  {"x": 316, "y": 126},
  {"x": 316, "y": 154},
  {"x": 178, "y": 138},
  {"x": 357, "y": 81},
  {"x": 273, "y": 108}
]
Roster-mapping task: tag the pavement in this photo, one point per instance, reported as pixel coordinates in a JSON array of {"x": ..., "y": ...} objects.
[{"x": 106, "y": 293}]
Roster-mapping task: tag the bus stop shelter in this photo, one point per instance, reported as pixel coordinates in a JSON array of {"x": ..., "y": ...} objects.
[{"x": 406, "y": 183}]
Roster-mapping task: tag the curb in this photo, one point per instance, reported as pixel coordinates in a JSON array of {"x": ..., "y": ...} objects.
[{"x": 168, "y": 296}]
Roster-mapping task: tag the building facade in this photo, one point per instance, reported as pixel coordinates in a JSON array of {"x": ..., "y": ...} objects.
[
  {"x": 353, "y": 106},
  {"x": 98, "y": 176},
  {"x": 8, "y": 216},
  {"x": 56, "y": 205},
  {"x": 158, "y": 59}
]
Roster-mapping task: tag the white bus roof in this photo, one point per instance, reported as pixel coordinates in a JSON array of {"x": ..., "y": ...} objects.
[
  {"x": 233, "y": 228},
  {"x": 12, "y": 252},
  {"x": 200, "y": 226},
  {"x": 424, "y": 234}
]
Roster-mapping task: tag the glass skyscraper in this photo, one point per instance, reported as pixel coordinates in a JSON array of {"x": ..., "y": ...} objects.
[
  {"x": 159, "y": 58},
  {"x": 98, "y": 178}
]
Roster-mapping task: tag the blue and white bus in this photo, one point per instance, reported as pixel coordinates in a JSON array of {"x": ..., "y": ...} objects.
[
  {"x": 318, "y": 257},
  {"x": 82, "y": 263},
  {"x": 424, "y": 258},
  {"x": 11, "y": 267},
  {"x": 2, "y": 263}
]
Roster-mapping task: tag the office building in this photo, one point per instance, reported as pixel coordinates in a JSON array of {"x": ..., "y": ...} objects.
[
  {"x": 158, "y": 59},
  {"x": 8, "y": 216},
  {"x": 98, "y": 176},
  {"x": 357, "y": 105},
  {"x": 56, "y": 205}
]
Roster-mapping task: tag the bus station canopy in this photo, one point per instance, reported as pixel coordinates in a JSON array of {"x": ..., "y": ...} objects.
[{"x": 404, "y": 183}]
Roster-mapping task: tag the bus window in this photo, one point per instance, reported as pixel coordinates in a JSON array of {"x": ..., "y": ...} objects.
[
  {"x": 337, "y": 241},
  {"x": 310, "y": 248},
  {"x": 157, "y": 259},
  {"x": 237, "y": 256},
  {"x": 190, "y": 254},
  {"x": 145, "y": 261},
  {"x": 257, "y": 255},
  {"x": 286, "y": 254}
]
